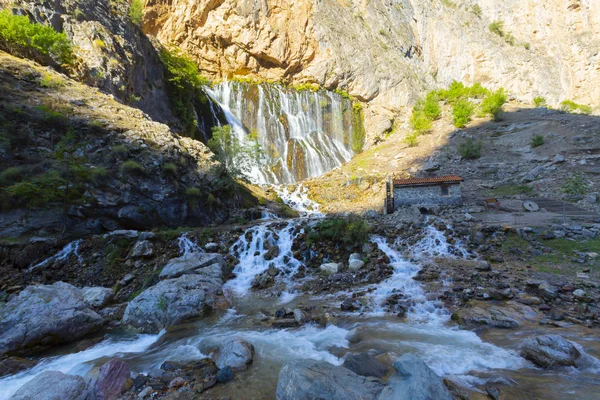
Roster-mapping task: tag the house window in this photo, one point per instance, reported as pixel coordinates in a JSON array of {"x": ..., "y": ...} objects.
[{"x": 445, "y": 190}]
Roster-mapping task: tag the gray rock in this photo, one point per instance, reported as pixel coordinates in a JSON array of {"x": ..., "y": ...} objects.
[
  {"x": 171, "y": 302},
  {"x": 591, "y": 198},
  {"x": 483, "y": 265},
  {"x": 52, "y": 385},
  {"x": 211, "y": 247},
  {"x": 143, "y": 248},
  {"x": 235, "y": 353},
  {"x": 299, "y": 316},
  {"x": 147, "y": 235},
  {"x": 559, "y": 159},
  {"x": 355, "y": 265},
  {"x": 189, "y": 264},
  {"x": 555, "y": 351},
  {"x": 311, "y": 379},
  {"x": 46, "y": 315},
  {"x": 96, "y": 297},
  {"x": 330, "y": 268},
  {"x": 579, "y": 294},
  {"x": 366, "y": 365},
  {"x": 547, "y": 291},
  {"x": 354, "y": 256},
  {"x": 112, "y": 380},
  {"x": 414, "y": 380},
  {"x": 511, "y": 315}
]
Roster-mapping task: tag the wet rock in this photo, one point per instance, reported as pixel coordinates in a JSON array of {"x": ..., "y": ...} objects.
[
  {"x": 45, "y": 315},
  {"x": 225, "y": 375},
  {"x": 211, "y": 247},
  {"x": 97, "y": 297},
  {"x": 284, "y": 323},
  {"x": 350, "y": 305},
  {"x": 113, "y": 380},
  {"x": 146, "y": 392},
  {"x": 355, "y": 265},
  {"x": 427, "y": 274},
  {"x": 366, "y": 365},
  {"x": 330, "y": 268},
  {"x": 414, "y": 380},
  {"x": 171, "y": 302},
  {"x": 493, "y": 392},
  {"x": 143, "y": 248},
  {"x": 555, "y": 351},
  {"x": 235, "y": 353},
  {"x": 52, "y": 385},
  {"x": 299, "y": 316},
  {"x": 310, "y": 379},
  {"x": 13, "y": 365},
  {"x": 512, "y": 315},
  {"x": 191, "y": 263}
]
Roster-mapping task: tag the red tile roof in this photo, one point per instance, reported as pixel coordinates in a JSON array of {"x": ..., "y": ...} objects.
[{"x": 425, "y": 181}]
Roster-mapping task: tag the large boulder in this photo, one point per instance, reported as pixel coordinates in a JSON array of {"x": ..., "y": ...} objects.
[
  {"x": 96, "y": 297},
  {"x": 235, "y": 353},
  {"x": 52, "y": 385},
  {"x": 311, "y": 379},
  {"x": 366, "y": 365},
  {"x": 114, "y": 379},
  {"x": 190, "y": 264},
  {"x": 171, "y": 302},
  {"x": 45, "y": 315},
  {"x": 414, "y": 380},
  {"x": 509, "y": 315},
  {"x": 555, "y": 351}
]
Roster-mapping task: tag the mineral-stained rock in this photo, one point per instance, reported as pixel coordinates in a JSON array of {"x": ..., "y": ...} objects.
[{"x": 112, "y": 380}]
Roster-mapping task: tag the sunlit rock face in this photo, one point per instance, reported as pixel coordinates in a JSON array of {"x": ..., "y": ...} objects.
[
  {"x": 301, "y": 134},
  {"x": 388, "y": 52}
]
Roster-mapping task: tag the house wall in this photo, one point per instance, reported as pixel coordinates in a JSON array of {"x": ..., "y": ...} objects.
[{"x": 426, "y": 195}]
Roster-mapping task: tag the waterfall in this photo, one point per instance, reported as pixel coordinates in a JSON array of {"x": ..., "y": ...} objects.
[
  {"x": 302, "y": 133},
  {"x": 70, "y": 248}
]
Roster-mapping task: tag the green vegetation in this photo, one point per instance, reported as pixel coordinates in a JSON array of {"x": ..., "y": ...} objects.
[
  {"x": 185, "y": 86},
  {"x": 497, "y": 27},
  {"x": 572, "y": 107},
  {"x": 10, "y": 175},
  {"x": 351, "y": 231},
  {"x": 21, "y": 37},
  {"x": 230, "y": 151},
  {"x": 169, "y": 169},
  {"x": 462, "y": 111},
  {"x": 41, "y": 190},
  {"x": 136, "y": 12},
  {"x": 51, "y": 81},
  {"x": 470, "y": 149},
  {"x": 412, "y": 139},
  {"x": 476, "y": 9},
  {"x": 492, "y": 104},
  {"x": 575, "y": 185},
  {"x": 358, "y": 132},
  {"x": 119, "y": 151},
  {"x": 133, "y": 168},
  {"x": 163, "y": 302},
  {"x": 537, "y": 141},
  {"x": 539, "y": 101},
  {"x": 511, "y": 190}
]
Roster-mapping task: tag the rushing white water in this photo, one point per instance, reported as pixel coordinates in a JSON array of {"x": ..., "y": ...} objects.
[
  {"x": 299, "y": 201},
  {"x": 302, "y": 133},
  {"x": 78, "y": 363},
  {"x": 186, "y": 245},
  {"x": 70, "y": 248},
  {"x": 252, "y": 250}
]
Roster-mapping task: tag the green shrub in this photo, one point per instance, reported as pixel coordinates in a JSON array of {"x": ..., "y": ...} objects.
[
  {"x": 51, "y": 81},
  {"x": 52, "y": 118},
  {"x": 539, "y": 101},
  {"x": 537, "y": 141},
  {"x": 497, "y": 27},
  {"x": 184, "y": 84},
  {"x": 170, "y": 168},
  {"x": 45, "y": 189},
  {"x": 19, "y": 36},
  {"x": 462, "y": 113},
  {"x": 420, "y": 122},
  {"x": 470, "y": 149},
  {"x": 571, "y": 107},
  {"x": 193, "y": 193},
  {"x": 576, "y": 185},
  {"x": 136, "y": 12},
  {"x": 527, "y": 46},
  {"x": 492, "y": 103},
  {"x": 119, "y": 151},
  {"x": 412, "y": 140},
  {"x": 352, "y": 231},
  {"x": 132, "y": 167},
  {"x": 10, "y": 175},
  {"x": 476, "y": 9}
]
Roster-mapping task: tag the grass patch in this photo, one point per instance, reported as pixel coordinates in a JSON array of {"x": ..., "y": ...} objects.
[
  {"x": 21, "y": 37},
  {"x": 576, "y": 184},
  {"x": 539, "y": 101},
  {"x": 351, "y": 231},
  {"x": 511, "y": 190},
  {"x": 133, "y": 168},
  {"x": 572, "y": 107},
  {"x": 51, "y": 81},
  {"x": 537, "y": 141}
]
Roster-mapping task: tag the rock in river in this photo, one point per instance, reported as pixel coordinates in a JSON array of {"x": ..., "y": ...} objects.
[
  {"x": 112, "y": 380},
  {"x": 190, "y": 264},
  {"x": 235, "y": 353},
  {"x": 171, "y": 302},
  {"x": 311, "y": 379},
  {"x": 555, "y": 351},
  {"x": 414, "y": 380},
  {"x": 52, "y": 385},
  {"x": 366, "y": 365},
  {"x": 45, "y": 315}
]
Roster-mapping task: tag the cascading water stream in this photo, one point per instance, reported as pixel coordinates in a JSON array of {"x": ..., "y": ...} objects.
[
  {"x": 302, "y": 133},
  {"x": 70, "y": 248}
]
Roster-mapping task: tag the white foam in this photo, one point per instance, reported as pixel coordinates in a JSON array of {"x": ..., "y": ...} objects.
[
  {"x": 70, "y": 248},
  {"x": 186, "y": 245}
]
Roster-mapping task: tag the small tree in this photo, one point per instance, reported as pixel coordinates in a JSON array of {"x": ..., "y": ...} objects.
[
  {"x": 539, "y": 101},
  {"x": 537, "y": 141},
  {"x": 136, "y": 12},
  {"x": 492, "y": 104},
  {"x": 462, "y": 112}
]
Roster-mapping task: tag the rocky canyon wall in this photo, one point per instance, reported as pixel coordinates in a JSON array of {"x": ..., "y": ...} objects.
[{"x": 388, "y": 52}]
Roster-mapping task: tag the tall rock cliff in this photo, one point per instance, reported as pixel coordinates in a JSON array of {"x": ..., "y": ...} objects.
[{"x": 387, "y": 52}]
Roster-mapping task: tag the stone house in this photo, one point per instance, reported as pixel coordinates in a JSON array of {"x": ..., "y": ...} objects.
[{"x": 438, "y": 190}]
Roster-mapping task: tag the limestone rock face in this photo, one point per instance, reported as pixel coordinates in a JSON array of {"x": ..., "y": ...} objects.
[
  {"x": 386, "y": 53},
  {"x": 46, "y": 315}
]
